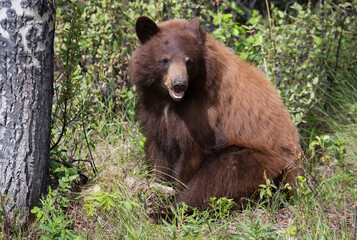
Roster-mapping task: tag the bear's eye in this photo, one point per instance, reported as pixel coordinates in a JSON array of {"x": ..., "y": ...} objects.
[
  {"x": 165, "y": 61},
  {"x": 189, "y": 63}
]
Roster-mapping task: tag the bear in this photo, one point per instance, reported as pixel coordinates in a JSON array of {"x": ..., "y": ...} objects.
[{"x": 215, "y": 126}]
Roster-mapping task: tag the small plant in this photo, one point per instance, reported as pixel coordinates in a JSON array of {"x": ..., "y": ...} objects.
[
  {"x": 55, "y": 222},
  {"x": 199, "y": 224},
  {"x": 5, "y": 223},
  {"x": 115, "y": 204},
  {"x": 289, "y": 232},
  {"x": 178, "y": 226},
  {"x": 266, "y": 190},
  {"x": 221, "y": 207},
  {"x": 302, "y": 185},
  {"x": 323, "y": 143},
  {"x": 254, "y": 230},
  {"x": 104, "y": 202},
  {"x": 330, "y": 151},
  {"x": 187, "y": 226}
]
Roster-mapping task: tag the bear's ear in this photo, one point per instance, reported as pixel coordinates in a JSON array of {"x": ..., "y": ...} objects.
[
  {"x": 194, "y": 26},
  {"x": 145, "y": 29}
]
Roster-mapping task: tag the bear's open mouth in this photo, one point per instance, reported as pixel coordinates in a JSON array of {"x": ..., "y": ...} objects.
[{"x": 177, "y": 96}]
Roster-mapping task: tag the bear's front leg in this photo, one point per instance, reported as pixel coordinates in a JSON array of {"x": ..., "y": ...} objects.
[
  {"x": 159, "y": 163},
  {"x": 233, "y": 173}
]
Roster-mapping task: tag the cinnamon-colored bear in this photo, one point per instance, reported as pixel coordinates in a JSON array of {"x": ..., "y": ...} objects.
[{"x": 214, "y": 124}]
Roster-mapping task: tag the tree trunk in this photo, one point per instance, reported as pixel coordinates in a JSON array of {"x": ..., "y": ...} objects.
[{"x": 26, "y": 92}]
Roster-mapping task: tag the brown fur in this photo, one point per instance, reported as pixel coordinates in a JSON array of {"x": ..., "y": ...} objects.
[{"x": 228, "y": 129}]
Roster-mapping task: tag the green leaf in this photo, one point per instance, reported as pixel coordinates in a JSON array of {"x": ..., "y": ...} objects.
[
  {"x": 240, "y": 236},
  {"x": 235, "y": 32},
  {"x": 245, "y": 228}
]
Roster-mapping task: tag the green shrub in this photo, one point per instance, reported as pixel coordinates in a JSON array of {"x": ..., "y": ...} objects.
[
  {"x": 300, "y": 46},
  {"x": 54, "y": 221}
]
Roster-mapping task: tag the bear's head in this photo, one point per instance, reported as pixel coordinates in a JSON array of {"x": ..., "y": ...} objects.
[{"x": 170, "y": 58}]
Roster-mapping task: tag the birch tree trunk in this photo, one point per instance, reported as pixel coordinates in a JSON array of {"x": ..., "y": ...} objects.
[{"x": 26, "y": 92}]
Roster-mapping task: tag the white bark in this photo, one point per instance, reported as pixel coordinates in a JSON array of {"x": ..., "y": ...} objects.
[{"x": 26, "y": 90}]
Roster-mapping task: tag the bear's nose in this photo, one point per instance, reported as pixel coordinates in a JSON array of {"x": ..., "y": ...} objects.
[{"x": 179, "y": 86}]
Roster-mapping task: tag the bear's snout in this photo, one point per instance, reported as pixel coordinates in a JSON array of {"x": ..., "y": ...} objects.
[
  {"x": 178, "y": 89},
  {"x": 177, "y": 80},
  {"x": 179, "y": 86}
]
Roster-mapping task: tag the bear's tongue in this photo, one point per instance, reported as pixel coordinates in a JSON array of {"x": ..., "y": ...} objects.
[{"x": 177, "y": 95}]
